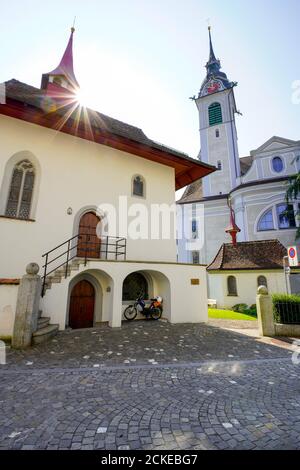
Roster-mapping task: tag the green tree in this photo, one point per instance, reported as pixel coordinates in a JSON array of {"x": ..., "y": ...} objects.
[{"x": 292, "y": 194}]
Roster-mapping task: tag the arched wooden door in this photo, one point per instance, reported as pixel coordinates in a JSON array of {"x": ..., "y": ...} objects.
[
  {"x": 82, "y": 304},
  {"x": 89, "y": 245}
]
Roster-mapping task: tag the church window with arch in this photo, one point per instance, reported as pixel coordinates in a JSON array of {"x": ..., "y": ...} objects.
[
  {"x": 215, "y": 114},
  {"x": 232, "y": 286},
  {"x": 21, "y": 190},
  {"x": 262, "y": 281},
  {"x": 266, "y": 222}
]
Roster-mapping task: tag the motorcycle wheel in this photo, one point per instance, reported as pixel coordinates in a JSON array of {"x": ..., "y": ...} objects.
[
  {"x": 156, "y": 313},
  {"x": 130, "y": 312}
]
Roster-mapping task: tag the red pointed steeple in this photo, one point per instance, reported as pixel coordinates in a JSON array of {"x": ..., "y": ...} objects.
[
  {"x": 232, "y": 229},
  {"x": 62, "y": 78}
]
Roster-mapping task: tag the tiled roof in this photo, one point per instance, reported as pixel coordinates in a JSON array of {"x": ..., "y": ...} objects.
[
  {"x": 193, "y": 192},
  {"x": 245, "y": 163},
  {"x": 261, "y": 254},
  {"x": 35, "y": 97}
]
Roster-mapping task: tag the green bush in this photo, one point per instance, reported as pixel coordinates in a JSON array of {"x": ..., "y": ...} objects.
[
  {"x": 240, "y": 308},
  {"x": 243, "y": 308},
  {"x": 286, "y": 308}
]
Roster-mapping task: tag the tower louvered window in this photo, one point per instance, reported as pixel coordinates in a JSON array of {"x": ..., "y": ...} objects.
[
  {"x": 215, "y": 114},
  {"x": 21, "y": 191}
]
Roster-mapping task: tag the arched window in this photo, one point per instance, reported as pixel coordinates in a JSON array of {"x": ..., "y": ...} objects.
[
  {"x": 215, "y": 114},
  {"x": 138, "y": 186},
  {"x": 231, "y": 285},
  {"x": 135, "y": 285},
  {"x": 21, "y": 190},
  {"x": 266, "y": 222},
  {"x": 277, "y": 164},
  {"x": 262, "y": 281},
  {"x": 285, "y": 216},
  {"x": 217, "y": 133}
]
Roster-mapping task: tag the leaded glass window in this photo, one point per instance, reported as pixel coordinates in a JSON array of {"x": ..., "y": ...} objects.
[{"x": 21, "y": 191}]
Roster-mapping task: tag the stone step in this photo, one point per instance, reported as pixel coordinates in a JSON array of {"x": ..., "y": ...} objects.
[
  {"x": 44, "y": 334},
  {"x": 43, "y": 322},
  {"x": 62, "y": 272},
  {"x": 55, "y": 279}
]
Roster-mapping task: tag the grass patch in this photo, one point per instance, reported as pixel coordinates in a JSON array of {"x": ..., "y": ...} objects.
[{"x": 229, "y": 315}]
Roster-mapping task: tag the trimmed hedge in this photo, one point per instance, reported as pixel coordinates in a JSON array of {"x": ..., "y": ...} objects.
[{"x": 286, "y": 308}]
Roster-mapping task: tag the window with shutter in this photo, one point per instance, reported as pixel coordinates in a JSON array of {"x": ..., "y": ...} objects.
[{"x": 215, "y": 114}]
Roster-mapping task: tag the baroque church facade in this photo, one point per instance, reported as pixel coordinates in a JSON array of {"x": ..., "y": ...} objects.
[
  {"x": 253, "y": 186},
  {"x": 58, "y": 162}
]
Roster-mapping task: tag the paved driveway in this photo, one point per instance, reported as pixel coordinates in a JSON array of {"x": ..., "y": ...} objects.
[{"x": 151, "y": 385}]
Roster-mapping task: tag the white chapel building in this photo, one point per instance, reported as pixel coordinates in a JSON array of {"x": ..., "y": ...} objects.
[
  {"x": 254, "y": 186},
  {"x": 58, "y": 163}
]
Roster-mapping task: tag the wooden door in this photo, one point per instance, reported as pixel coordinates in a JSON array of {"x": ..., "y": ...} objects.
[
  {"x": 82, "y": 303},
  {"x": 89, "y": 244}
]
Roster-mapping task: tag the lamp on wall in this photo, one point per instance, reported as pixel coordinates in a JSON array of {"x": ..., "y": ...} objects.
[{"x": 69, "y": 211}]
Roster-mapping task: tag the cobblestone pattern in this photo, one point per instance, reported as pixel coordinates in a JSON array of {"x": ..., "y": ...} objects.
[
  {"x": 144, "y": 342},
  {"x": 241, "y": 405}
]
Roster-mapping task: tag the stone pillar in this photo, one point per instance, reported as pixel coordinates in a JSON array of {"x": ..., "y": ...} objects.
[
  {"x": 27, "y": 308},
  {"x": 265, "y": 316},
  {"x": 115, "y": 320}
]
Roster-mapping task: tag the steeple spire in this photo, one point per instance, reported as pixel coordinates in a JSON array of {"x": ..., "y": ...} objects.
[
  {"x": 215, "y": 80},
  {"x": 213, "y": 65},
  {"x": 63, "y": 75}
]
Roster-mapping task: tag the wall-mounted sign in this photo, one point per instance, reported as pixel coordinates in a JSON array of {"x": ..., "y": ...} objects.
[{"x": 195, "y": 282}]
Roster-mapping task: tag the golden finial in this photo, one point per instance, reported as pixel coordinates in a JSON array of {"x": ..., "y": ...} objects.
[{"x": 73, "y": 27}]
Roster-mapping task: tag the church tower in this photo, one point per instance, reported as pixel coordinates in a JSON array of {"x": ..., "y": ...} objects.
[{"x": 218, "y": 135}]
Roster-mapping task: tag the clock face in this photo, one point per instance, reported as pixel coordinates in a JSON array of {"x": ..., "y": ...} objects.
[{"x": 212, "y": 87}]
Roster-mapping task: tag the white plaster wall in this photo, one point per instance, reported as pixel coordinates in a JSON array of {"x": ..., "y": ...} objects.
[
  {"x": 75, "y": 173},
  {"x": 8, "y": 302},
  {"x": 183, "y": 302},
  {"x": 246, "y": 286}
]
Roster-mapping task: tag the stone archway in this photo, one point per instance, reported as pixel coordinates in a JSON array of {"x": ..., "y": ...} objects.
[{"x": 158, "y": 284}]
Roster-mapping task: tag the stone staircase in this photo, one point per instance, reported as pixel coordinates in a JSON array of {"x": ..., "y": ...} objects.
[
  {"x": 57, "y": 276},
  {"x": 44, "y": 331}
]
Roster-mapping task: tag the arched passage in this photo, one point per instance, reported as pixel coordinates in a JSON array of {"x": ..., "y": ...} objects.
[{"x": 157, "y": 284}]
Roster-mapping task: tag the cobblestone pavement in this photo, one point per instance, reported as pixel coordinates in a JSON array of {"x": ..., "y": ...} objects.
[
  {"x": 143, "y": 342},
  {"x": 246, "y": 395}
]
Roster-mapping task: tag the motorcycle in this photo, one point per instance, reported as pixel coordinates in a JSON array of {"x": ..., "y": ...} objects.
[{"x": 154, "y": 311}]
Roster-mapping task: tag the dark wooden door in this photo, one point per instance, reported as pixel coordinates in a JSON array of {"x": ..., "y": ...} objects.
[
  {"x": 89, "y": 244},
  {"x": 82, "y": 303}
]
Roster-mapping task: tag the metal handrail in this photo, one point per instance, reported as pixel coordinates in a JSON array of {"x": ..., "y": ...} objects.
[{"x": 85, "y": 249}]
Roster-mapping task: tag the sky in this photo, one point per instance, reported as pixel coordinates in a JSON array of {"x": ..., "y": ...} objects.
[{"x": 140, "y": 60}]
